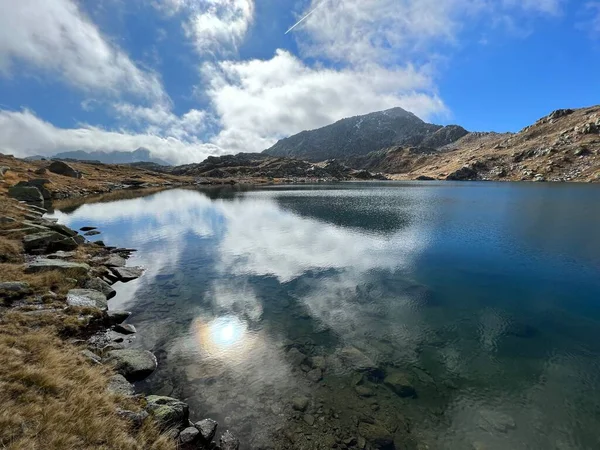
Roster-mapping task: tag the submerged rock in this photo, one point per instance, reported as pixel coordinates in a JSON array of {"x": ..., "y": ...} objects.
[
  {"x": 229, "y": 442},
  {"x": 168, "y": 412},
  {"x": 296, "y": 357},
  {"x": 135, "y": 365},
  {"x": 300, "y": 403},
  {"x": 400, "y": 383},
  {"x": 207, "y": 428},
  {"x": 315, "y": 375},
  {"x": 87, "y": 297},
  {"x": 376, "y": 434},
  {"x": 357, "y": 360},
  {"x": 118, "y": 384},
  {"x": 125, "y": 329},
  {"x": 47, "y": 265},
  {"x": 115, "y": 317},
  {"x": 495, "y": 421}
]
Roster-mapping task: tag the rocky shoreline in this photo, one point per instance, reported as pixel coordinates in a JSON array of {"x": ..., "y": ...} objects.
[{"x": 93, "y": 268}]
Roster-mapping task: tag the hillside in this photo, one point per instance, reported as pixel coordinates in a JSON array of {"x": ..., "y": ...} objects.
[
  {"x": 115, "y": 157},
  {"x": 360, "y": 135}
]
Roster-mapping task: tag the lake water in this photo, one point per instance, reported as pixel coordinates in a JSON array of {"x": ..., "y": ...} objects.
[{"x": 484, "y": 297}]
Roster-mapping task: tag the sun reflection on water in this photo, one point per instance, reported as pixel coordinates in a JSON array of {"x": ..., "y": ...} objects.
[{"x": 225, "y": 336}]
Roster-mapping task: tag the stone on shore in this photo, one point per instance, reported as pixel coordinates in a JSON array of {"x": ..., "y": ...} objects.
[
  {"x": 62, "y": 168},
  {"x": 26, "y": 194},
  {"x": 126, "y": 274},
  {"x": 116, "y": 317},
  {"x": 136, "y": 418},
  {"x": 99, "y": 284},
  {"x": 207, "y": 428},
  {"x": 134, "y": 365},
  {"x": 117, "y": 384},
  {"x": 39, "y": 184},
  {"x": 88, "y": 298},
  {"x": 48, "y": 242},
  {"x": 46, "y": 265},
  {"x": 189, "y": 435},
  {"x": 115, "y": 261},
  {"x": 229, "y": 442},
  {"x": 125, "y": 329},
  {"x": 168, "y": 412},
  {"x": 400, "y": 384},
  {"x": 14, "y": 289}
]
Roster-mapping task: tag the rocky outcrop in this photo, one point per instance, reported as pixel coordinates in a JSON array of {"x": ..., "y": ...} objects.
[
  {"x": 13, "y": 290},
  {"x": 465, "y": 173},
  {"x": 30, "y": 194},
  {"x": 134, "y": 365},
  {"x": 39, "y": 184},
  {"x": 62, "y": 168},
  {"x": 46, "y": 265},
  {"x": 87, "y": 298},
  {"x": 48, "y": 242}
]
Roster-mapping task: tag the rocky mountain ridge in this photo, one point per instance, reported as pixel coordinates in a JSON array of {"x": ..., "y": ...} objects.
[{"x": 360, "y": 135}]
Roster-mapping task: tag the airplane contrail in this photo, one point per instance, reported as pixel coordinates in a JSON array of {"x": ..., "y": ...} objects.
[{"x": 306, "y": 16}]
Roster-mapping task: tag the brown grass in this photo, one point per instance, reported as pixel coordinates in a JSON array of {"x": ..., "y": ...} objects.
[
  {"x": 10, "y": 250},
  {"x": 52, "y": 398},
  {"x": 41, "y": 283}
]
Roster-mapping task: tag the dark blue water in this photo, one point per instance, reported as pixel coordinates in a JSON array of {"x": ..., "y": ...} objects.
[{"x": 485, "y": 297}]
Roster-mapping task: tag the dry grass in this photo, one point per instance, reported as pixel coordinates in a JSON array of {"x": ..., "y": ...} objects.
[
  {"x": 41, "y": 283},
  {"x": 52, "y": 398},
  {"x": 10, "y": 250}
]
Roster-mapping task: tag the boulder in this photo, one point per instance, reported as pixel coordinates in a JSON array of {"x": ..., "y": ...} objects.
[
  {"x": 125, "y": 329},
  {"x": 356, "y": 360},
  {"x": 14, "y": 289},
  {"x": 207, "y": 428},
  {"x": 134, "y": 365},
  {"x": 189, "y": 435},
  {"x": 168, "y": 412},
  {"x": 229, "y": 442},
  {"x": 38, "y": 183},
  {"x": 315, "y": 375},
  {"x": 399, "y": 383},
  {"x": 377, "y": 435},
  {"x": 115, "y": 317},
  {"x": 126, "y": 274},
  {"x": 48, "y": 242},
  {"x": 26, "y": 194},
  {"x": 465, "y": 173},
  {"x": 87, "y": 297},
  {"x": 47, "y": 265},
  {"x": 424, "y": 178},
  {"x": 62, "y": 229},
  {"x": 115, "y": 261},
  {"x": 99, "y": 284},
  {"x": 300, "y": 403},
  {"x": 62, "y": 168}
]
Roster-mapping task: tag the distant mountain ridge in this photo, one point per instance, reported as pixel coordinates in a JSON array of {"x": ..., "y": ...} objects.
[
  {"x": 361, "y": 135},
  {"x": 114, "y": 157}
]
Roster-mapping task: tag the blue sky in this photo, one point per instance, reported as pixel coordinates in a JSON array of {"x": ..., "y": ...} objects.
[{"x": 192, "y": 78}]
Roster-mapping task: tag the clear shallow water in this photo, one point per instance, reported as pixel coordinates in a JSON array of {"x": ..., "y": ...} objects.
[{"x": 485, "y": 296}]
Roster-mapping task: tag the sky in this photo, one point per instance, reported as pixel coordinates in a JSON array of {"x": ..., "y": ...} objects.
[{"x": 187, "y": 79}]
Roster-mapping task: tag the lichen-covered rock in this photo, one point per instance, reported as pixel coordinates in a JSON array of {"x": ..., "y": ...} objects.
[
  {"x": 118, "y": 384},
  {"x": 135, "y": 365},
  {"x": 87, "y": 297},
  {"x": 136, "y": 418},
  {"x": 46, "y": 265},
  {"x": 168, "y": 412},
  {"x": 207, "y": 428}
]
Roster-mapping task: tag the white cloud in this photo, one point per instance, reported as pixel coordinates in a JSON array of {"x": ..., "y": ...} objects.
[
  {"x": 55, "y": 36},
  {"x": 24, "y": 134},
  {"x": 592, "y": 11},
  {"x": 259, "y": 101}
]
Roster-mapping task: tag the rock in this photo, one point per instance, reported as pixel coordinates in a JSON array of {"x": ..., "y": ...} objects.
[
  {"x": 207, "y": 428},
  {"x": 424, "y": 178},
  {"x": 376, "y": 434},
  {"x": 3, "y": 170},
  {"x": 6, "y": 219},
  {"x": 465, "y": 173},
  {"x": 88, "y": 228},
  {"x": 539, "y": 178},
  {"x": 99, "y": 284},
  {"x": 315, "y": 375},
  {"x": 46, "y": 265},
  {"x": 126, "y": 274},
  {"x": 48, "y": 242},
  {"x": 399, "y": 383},
  {"x": 26, "y": 194},
  {"x": 115, "y": 317},
  {"x": 357, "y": 360},
  {"x": 364, "y": 391},
  {"x": 38, "y": 183},
  {"x": 167, "y": 412},
  {"x": 309, "y": 419},
  {"x": 296, "y": 356},
  {"x": 87, "y": 297},
  {"x": 91, "y": 233},
  {"x": 118, "y": 384},
  {"x": 61, "y": 255},
  {"x": 189, "y": 435},
  {"x": 300, "y": 403},
  {"x": 135, "y": 365},
  {"x": 64, "y": 169},
  {"x": 14, "y": 289},
  {"x": 115, "y": 261},
  {"x": 91, "y": 356},
  {"x": 125, "y": 329},
  {"x": 136, "y": 418},
  {"x": 62, "y": 229},
  {"x": 40, "y": 171},
  {"x": 493, "y": 420},
  {"x": 318, "y": 362},
  {"x": 229, "y": 442}
]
